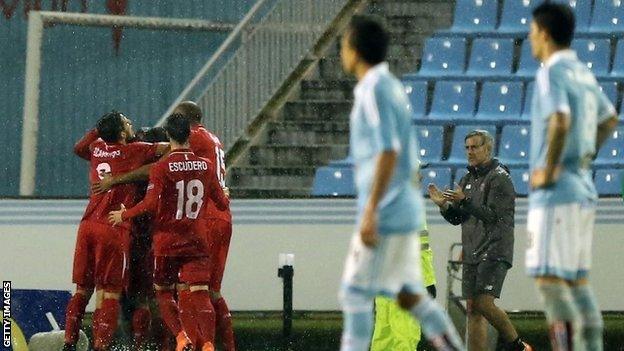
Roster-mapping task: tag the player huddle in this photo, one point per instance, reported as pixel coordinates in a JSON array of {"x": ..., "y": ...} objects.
[{"x": 184, "y": 210}]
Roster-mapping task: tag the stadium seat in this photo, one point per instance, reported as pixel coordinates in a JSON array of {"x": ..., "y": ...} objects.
[
  {"x": 608, "y": 17},
  {"x": 610, "y": 90},
  {"x": 333, "y": 181},
  {"x": 458, "y": 155},
  {"x": 491, "y": 57},
  {"x": 516, "y": 15},
  {"x": 453, "y": 100},
  {"x": 618, "y": 61},
  {"x": 514, "y": 145},
  {"x": 612, "y": 151},
  {"x": 417, "y": 93},
  {"x": 443, "y": 57},
  {"x": 520, "y": 180},
  {"x": 440, "y": 176},
  {"x": 528, "y": 96},
  {"x": 608, "y": 181},
  {"x": 500, "y": 101},
  {"x": 596, "y": 53},
  {"x": 582, "y": 10},
  {"x": 528, "y": 64},
  {"x": 475, "y": 16},
  {"x": 430, "y": 142}
]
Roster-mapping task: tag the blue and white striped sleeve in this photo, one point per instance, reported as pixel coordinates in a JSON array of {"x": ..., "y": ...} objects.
[
  {"x": 552, "y": 92},
  {"x": 382, "y": 117}
]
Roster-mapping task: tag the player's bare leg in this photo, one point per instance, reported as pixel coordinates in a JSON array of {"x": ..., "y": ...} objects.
[
  {"x": 196, "y": 299},
  {"x": 105, "y": 321},
  {"x": 223, "y": 321},
  {"x": 477, "y": 328},
  {"x": 592, "y": 324},
  {"x": 484, "y": 305},
  {"x": 170, "y": 314},
  {"x": 436, "y": 325},
  {"x": 74, "y": 315},
  {"x": 562, "y": 314}
]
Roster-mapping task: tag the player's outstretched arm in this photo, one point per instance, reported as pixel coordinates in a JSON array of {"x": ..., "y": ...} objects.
[
  {"x": 148, "y": 204},
  {"x": 137, "y": 175},
  {"x": 82, "y": 146}
]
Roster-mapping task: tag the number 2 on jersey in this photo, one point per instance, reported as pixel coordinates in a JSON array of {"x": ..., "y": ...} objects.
[{"x": 192, "y": 202}]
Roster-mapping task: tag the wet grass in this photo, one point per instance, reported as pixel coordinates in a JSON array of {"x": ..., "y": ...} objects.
[{"x": 320, "y": 331}]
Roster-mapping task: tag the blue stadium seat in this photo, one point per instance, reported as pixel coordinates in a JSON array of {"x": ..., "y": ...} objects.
[
  {"x": 440, "y": 176},
  {"x": 458, "y": 155},
  {"x": 618, "y": 61},
  {"x": 475, "y": 16},
  {"x": 528, "y": 96},
  {"x": 417, "y": 93},
  {"x": 528, "y": 64},
  {"x": 596, "y": 53},
  {"x": 610, "y": 90},
  {"x": 608, "y": 17},
  {"x": 500, "y": 101},
  {"x": 608, "y": 181},
  {"x": 443, "y": 57},
  {"x": 612, "y": 151},
  {"x": 491, "y": 57},
  {"x": 582, "y": 10},
  {"x": 514, "y": 145},
  {"x": 520, "y": 180},
  {"x": 516, "y": 15},
  {"x": 453, "y": 100},
  {"x": 430, "y": 142},
  {"x": 333, "y": 181}
]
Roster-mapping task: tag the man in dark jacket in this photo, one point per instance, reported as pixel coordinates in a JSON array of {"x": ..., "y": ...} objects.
[{"x": 483, "y": 203}]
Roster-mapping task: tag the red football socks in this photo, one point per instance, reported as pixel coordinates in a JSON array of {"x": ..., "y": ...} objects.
[
  {"x": 141, "y": 318},
  {"x": 106, "y": 321},
  {"x": 224, "y": 324},
  {"x": 73, "y": 317},
  {"x": 203, "y": 313},
  {"x": 188, "y": 316},
  {"x": 169, "y": 311}
]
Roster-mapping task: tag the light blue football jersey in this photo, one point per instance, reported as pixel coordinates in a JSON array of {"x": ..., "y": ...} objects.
[
  {"x": 564, "y": 84},
  {"x": 381, "y": 121}
]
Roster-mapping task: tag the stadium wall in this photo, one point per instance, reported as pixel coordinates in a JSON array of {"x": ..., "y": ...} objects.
[
  {"x": 87, "y": 71},
  {"x": 37, "y": 242}
]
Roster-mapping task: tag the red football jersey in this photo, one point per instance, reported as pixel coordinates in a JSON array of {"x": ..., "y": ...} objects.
[
  {"x": 207, "y": 145},
  {"x": 114, "y": 159},
  {"x": 181, "y": 186}
]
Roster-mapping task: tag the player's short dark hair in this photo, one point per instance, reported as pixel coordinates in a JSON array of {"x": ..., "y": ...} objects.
[
  {"x": 110, "y": 126},
  {"x": 558, "y": 20},
  {"x": 191, "y": 110},
  {"x": 178, "y": 128},
  {"x": 156, "y": 135},
  {"x": 369, "y": 38}
]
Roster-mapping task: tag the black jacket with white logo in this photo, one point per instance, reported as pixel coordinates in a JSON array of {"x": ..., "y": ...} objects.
[{"x": 486, "y": 214}]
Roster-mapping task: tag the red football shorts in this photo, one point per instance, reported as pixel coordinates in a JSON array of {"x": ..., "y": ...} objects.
[
  {"x": 101, "y": 256},
  {"x": 219, "y": 234},
  {"x": 191, "y": 270}
]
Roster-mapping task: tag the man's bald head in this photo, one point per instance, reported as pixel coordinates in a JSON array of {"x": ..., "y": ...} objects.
[{"x": 190, "y": 110}]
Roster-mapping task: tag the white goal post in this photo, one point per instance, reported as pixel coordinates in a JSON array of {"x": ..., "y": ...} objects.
[{"x": 37, "y": 20}]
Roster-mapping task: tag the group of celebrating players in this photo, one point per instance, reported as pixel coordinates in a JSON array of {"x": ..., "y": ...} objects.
[{"x": 165, "y": 240}]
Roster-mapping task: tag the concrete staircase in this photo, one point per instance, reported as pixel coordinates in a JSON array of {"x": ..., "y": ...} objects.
[{"x": 312, "y": 128}]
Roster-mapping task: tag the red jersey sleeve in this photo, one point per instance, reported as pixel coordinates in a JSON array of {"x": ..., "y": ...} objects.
[
  {"x": 154, "y": 189},
  {"x": 147, "y": 150},
  {"x": 216, "y": 192},
  {"x": 82, "y": 148}
]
